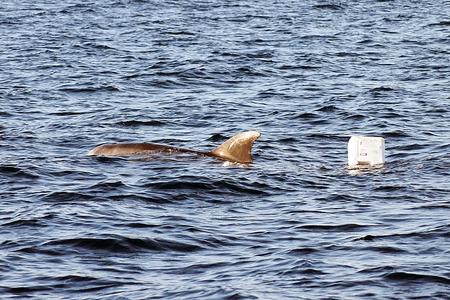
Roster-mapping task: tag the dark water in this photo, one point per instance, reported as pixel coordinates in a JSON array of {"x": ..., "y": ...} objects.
[{"x": 294, "y": 225}]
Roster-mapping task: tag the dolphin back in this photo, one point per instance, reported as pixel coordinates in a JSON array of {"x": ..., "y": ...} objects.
[
  {"x": 129, "y": 149},
  {"x": 238, "y": 148}
]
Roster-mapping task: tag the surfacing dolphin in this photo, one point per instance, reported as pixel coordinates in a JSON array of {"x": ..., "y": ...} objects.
[{"x": 237, "y": 149}]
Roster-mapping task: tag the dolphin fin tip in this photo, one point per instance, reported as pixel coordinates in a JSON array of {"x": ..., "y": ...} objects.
[{"x": 238, "y": 148}]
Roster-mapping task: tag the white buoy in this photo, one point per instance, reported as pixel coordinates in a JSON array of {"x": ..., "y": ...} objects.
[{"x": 365, "y": 152}]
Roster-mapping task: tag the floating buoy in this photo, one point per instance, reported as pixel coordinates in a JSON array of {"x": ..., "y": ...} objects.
[{"x": 365, "y": 152}]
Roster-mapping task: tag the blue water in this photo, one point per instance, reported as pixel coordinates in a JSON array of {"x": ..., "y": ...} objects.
[{"x": 296, "y": 224}]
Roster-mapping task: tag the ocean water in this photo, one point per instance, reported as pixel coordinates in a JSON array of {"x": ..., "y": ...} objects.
[{"x": 296, "y": 224}]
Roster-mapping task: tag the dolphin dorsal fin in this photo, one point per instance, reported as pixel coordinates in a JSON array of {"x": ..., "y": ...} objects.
[{"x": 238, "y": 148}]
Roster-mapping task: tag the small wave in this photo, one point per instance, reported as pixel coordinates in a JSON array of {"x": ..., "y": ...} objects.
[
  {"x": 227, "y": 54},
  {"x": 83, "y": 283},
  {"x": 72, "y": 113},
  {"x": 254, "y": 188},
  {"x": 330, "y": 136},
  {"x": 396, "y": 134},
  {"x": 217, "y": 137},
  {"x": 437, "y": 110},
  {"x": 157, "y": 199},
  {"x": 213, "y": 187},
  {"x": 382, "y": 270},
  {"x": 303, "y": 251},
  {"x": 108, "y": 185},
  {"x": 365, "y": 41},
  {"x": 250, "y": 71},
  {"x": 98, "y": 286},
  {"x": 137, "y": 75},
  {"x": 368, "y": 238},
  {"x": 137, "y": 123},
  {"x": 328, "y": 7},
  {"x": 339, "y": 227},
  {"x": 21, "y": 223},
  {"x": 307, "y": 116},
  {"x": 26, "y": 289},
  {"x": 328, "y": 108},
  {"x": 66, "y": 113},
  {"x": 381, "y": 89},
  {"x": 440, "y": 231},
  {"x": 181, "y": 185},
  {"x": 262, "y": 54},
  {"x": 202, "y": 267},
  {"x": 97, "y": 45},
  {"x": 269, "y": 94},
  {"x": 68, "y": 197},
  {"x": 40, "y": 250},
  {"x": 287, "y": 140},
  {"x": 15, "y": 171},
  {"x": 417, "y": 278},
  {"x": 297, "y": 67},
  {"x": 389, "y": 188},
  {"x": 443, "y": 206},
  {"x": 187, "y": 74},
  {"x": 356, "y": 117},
  {"x": 77, "y": 8},
  {"x": 166, "y": 83},
  {"x": 181, "y": 32},
  {"x": 441, "y": 23},
  {"x": 124, "y": 244},
  {"x": 318, "y": 37},
  {"x": 88, "y": 89},
  {"x": 70, "y": 283},
  {"x": 140, "y": 225},
  {"x": 409, "y": 147},
  {"x": 296, "y": 271},
  {"x": 347, "y": 54},
  {"x": 75, "y": 278},
  {"x": 387, "y": 249},
  {"x": 52, "y": 66}
]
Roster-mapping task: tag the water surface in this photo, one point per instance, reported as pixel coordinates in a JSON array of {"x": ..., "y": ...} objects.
[{"x": 295, "y": 224}]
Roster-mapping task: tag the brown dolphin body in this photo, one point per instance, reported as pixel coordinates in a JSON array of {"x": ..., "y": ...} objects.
[{"x": 236, "y": 149}]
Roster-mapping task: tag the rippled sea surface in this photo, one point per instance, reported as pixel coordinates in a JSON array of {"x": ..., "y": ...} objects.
[{"x": 296, "y": 224}]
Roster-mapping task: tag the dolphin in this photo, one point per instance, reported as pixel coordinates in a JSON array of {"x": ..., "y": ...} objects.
[{"x": 237, "y": 149}]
